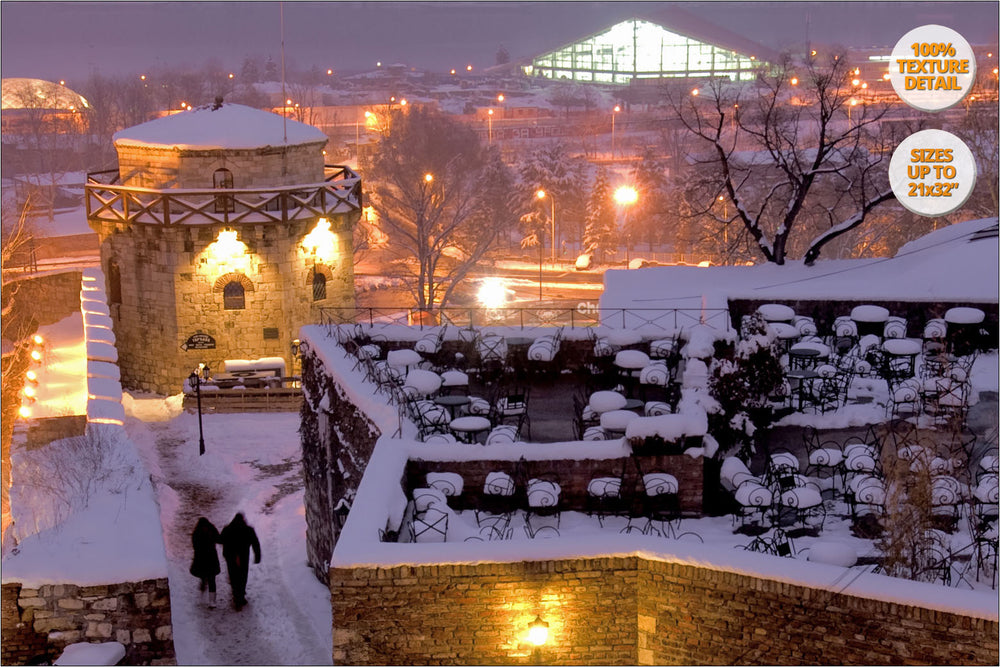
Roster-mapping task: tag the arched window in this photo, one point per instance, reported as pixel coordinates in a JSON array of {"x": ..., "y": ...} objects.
[
  {"x": 233, "y": 296},
  {"x": 319, "y": 286},
  {"x": 114, "y": 284},
  {"x": 223, "y": 178}
]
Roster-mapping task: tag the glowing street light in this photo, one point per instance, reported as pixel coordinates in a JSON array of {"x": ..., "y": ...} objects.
[
  {"x": 197, "y": 375},
  {"x": 694, "y": 92},
  {"x": 428, "y": 178},
  {"x": 492, "y": 293},
  {"x": 541, "y": 194},
  {"x": 489, "y": 116},
  {"x": 794, "y": 81},
  {"x": 625, "y": 196}
]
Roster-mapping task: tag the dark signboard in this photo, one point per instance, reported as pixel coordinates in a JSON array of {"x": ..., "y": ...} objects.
[{"x": 199, "y": 341}]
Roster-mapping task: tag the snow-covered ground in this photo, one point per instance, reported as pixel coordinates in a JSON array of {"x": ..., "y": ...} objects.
[{"x": 111, "y": 532}]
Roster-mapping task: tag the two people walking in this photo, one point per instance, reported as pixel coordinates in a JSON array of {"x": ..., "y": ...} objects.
[{"x": 237, "y": 539}]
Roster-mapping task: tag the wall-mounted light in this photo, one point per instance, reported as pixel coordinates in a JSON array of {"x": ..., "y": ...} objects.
[
  {"x": 538, "y": 631},
  {"x": 321, "y": 242},
  {"x": 228, "y": 253}
]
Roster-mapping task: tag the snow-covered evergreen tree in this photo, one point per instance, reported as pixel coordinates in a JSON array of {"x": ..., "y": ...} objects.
[
  {"x": 562, "y": 175},
  {"x": 599, "y": 234}
]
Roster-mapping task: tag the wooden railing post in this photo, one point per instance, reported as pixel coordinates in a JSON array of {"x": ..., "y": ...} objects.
[{"x": 166, "y": 209}]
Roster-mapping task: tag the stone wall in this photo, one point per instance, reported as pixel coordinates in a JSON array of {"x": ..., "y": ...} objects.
[
  {"x": 171, "y": 288},
  {"x": 38, "y": 623},
  {"x": 631, "y": 611},
  {"x": 42, "y": 431},
  {"x": 337, "y": 442},
  {"x": 161, "y": 167}
]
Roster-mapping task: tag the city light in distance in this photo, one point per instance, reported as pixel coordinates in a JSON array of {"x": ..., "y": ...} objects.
[
  {"x": 492, "y": 293},
  {"x": 694, "y": 92},
  {"x": 468, "y": 68}
]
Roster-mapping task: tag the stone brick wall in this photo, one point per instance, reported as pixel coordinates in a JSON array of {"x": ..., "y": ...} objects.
[
  {"x": 38, "y": 623},
  {"x": 42, "y": 431},
  {"x": 631, "y": 611},
  {"x": 337, "y": 442},
  {"x": 164, "y": 167},
  {"x": 479, "y": 614},
  {"x": 169, "y": 292}
]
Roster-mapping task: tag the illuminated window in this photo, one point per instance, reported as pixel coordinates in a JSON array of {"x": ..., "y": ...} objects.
[
  {"x": 233, "y": 296},
  {"x": 114, "y": 284},
  {"x": 223, "y": 179},
  {"x": 319, "y": 286}
]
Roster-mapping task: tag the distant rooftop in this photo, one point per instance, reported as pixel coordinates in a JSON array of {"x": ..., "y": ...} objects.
[{"x": 21, "y": 93}]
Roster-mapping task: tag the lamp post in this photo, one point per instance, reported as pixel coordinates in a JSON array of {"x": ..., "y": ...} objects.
[
  {"x": 538, "y": 634},
  {"x": 541, "y": 194},
  {"x": 489, "y": 116},
  {"x": 626, "y": 195},
  {"x": 196, "y": 377},
  {"x": 614, "y": 112}
]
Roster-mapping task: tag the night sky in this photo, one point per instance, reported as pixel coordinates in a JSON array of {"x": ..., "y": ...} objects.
[{"x": 69, "y": 40}]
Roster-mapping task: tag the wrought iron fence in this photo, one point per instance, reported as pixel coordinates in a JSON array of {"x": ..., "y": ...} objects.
[{"x": 583, "y": 316}]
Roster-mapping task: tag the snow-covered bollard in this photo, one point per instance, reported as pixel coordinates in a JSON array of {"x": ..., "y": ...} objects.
[{"x": 83, "y": 653}]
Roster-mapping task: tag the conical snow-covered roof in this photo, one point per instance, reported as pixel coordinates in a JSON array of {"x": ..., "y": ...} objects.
[{"x": 228, "y": 126}]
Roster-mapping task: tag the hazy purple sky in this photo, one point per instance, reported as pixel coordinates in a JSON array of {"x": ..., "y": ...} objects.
[{"x": 68, "y": 40}]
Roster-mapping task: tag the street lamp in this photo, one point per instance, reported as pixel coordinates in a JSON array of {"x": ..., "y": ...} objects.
[
  {"x": 541, "y": 194},
  {"x": 625, "y": 196},
  {"x": 614, "y": 112},
  {"x": 196, "y": 377},
  {"x": 538, "y": 634},
  {"x": 489, "y": 115}
]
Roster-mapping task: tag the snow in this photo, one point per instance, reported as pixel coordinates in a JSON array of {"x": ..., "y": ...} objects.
[
  {"x": 941, "y": 266},
  {"x": 230, "y": 127},
  {"x": 869, "y": 314},
  {"x": 776, "y": 312},
  {"x": 105, "y": 653},
  {"x": 606, "y": 401},
  {"x": 963, "y": 315},
  {"x": 669, "y": 427}
]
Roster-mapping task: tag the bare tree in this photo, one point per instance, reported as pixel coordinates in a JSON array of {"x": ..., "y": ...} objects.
[
  {"x": 427, "y": 176},
  {"x": 796, "y": 155}
]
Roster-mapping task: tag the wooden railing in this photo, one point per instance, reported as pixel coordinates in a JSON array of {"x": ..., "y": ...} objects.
[{"x": 108, "y": 202}]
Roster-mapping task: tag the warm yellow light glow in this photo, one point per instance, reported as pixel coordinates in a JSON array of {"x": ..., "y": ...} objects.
[
  {"x": 231, "y": 75},
  {"x": 626, "y": 195},
  {"x": 490, "y": 112},
  {"x": 329, "y": 72},
  {"x": 32, "y": 376},
  {"x": 854, "y": 102},
  {"x": 452, "y": 71},
  {"x": 500, "y": 97},
  {"x": 36, "y": 355},
  {"x": 189, "y": 107},
  {"x": 321, "y": 242},
  {"x": 864, "y": 86},
  {"x": 37, "y": 339},
  {"x": 142, "y": 77},
  {"x": 721, "y": 197},
  {"x": 402, "y": 102},
  {"x": 694, "y": 92},
  {"x": 885, "y": 77},
  {"x": 855, "y": 82},
  {"x": 617, "y": 109},
  {"x": 704, "y": 263},
  {"x": 378, "y": 64},
  {"x": 62, "y": 82},
  {"x": 813, "y": 52},
  {"x": 228, "y": 253},
  {"x": 994, "y": 70},
  {"x": 795, "y": 81},
  {"x": 538, "y": 631},
  {"x": 29, "y": 391},
  {"x": 468, "y": 68},
  {"x": 184, "y": 105},
  {"x": 428, "y": 177},
  {"x": 857, "y": 70},
  {"x": 24, "y": 411},
  {"x": 492, "y": 293},
  {"x": 540, "y": 194}
]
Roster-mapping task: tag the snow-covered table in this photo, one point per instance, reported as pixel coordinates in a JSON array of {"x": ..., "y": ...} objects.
[
  {"x": 614, "y": 422},
  {"x": 606, "y": 401},
  {"x": 403, "y": 358},
  {"x": 425, "y": 382},
  {"x": 775, "y": 312}
]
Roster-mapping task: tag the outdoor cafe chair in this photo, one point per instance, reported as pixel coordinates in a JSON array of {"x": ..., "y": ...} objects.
[
  {"x": 502, "y": 435},
  {"x": 865, "y": 495},
  {"x": 431, "y": 526},
  {"x": 512, "y": 406},
  {"x": 604, "y": 497},
  {"x": 448, "y": 483},
  {"x": 543, "y": 504},
  {"x": 497, "y": 498},
  {"x": 822, "y": 456}
]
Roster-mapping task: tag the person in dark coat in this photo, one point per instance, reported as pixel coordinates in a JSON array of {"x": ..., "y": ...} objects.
[
  {"x": 205, "y": 564},
  {"x": 237, "y": 540}
]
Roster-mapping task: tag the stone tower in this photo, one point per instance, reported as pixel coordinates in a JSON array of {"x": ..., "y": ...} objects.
[{"x": 222, "y": 232}]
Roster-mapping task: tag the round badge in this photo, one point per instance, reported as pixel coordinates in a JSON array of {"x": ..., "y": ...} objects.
[
  {"x": 932, "y": 172},
  {"x": 932, "y": 68}
]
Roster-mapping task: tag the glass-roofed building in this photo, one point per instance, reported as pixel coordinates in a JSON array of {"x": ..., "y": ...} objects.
[{"x": 642, "y": 49}]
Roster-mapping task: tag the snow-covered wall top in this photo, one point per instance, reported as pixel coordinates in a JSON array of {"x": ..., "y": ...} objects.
[
  {"x": 942, "y": 266},
  {"x": 231, "y": 126}
]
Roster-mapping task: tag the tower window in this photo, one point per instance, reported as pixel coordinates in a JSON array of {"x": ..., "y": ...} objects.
[
  {"x": 233, "y": 296},
  {"x": 319, "y": 286},
  {"x": 223, "y": 179}
]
